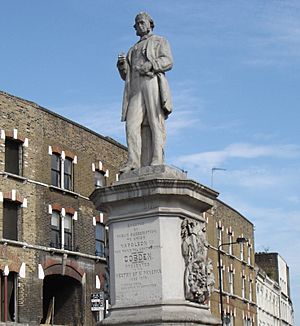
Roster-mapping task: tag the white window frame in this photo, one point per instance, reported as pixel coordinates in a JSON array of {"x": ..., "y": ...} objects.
[{"x": 62, "y": 159}]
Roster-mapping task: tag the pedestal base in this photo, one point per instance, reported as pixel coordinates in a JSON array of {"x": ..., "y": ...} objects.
[
  {"x": 146, "y": 208},
  {"x": 186, "y": 314}
]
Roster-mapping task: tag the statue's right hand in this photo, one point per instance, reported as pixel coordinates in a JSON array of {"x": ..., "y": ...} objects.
[{"x": 121, "y": 60}]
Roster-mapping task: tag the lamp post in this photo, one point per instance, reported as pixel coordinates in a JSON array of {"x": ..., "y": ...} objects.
[{"x": 238, "y": 240}]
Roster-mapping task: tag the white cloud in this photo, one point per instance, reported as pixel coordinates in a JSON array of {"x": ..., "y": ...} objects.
[{"x": 207, "y": 160}]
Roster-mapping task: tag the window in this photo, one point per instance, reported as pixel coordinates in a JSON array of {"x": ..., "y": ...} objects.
[
  {"x": 100, "y": 239},
  {"x": 55, "y": 230},
  {"x": 61, "y": 172},
  {"x": 250, "y": 289},
  {"x": 231, "y": 282},
  {"x": 241, "y": 251},
  {"x": 243, "y": 287},
  {"x": 68, "y": 232},
  {"x": 9, "y": 296},
  {"x": 68, "y": 173},
  {"x": 100, "y": 180},
  {"x": 229, "y": 320},
  {"x": 10, "y": 220},
  {"x": 13, "y": 156},
  {"x": 247, "y": 322},
  {"x": 249, "y": 254},
  {"x": 61, "y": 231},
  {"x": 230, "y": 240},
  {"x": 219, "y": 235},
  {"x": 55, "y": 170}
]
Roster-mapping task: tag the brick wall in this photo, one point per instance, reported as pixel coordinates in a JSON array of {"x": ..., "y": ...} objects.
[{"x": 39, "y": 132}]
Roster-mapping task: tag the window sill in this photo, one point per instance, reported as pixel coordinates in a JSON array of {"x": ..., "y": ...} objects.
[
  {"x": 64, "y": 191},
  {"x": 14, "y": 176}
]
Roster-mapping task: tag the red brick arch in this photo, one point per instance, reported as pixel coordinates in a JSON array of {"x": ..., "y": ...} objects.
[{"x": 70, "y": 270}]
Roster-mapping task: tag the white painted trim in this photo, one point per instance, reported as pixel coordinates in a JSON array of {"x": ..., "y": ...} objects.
[
  {"x": 75, "y": 159},
  {"x": 6, "y": 270},
  {"x": 63, "y": 230},
  {"x": 26, "y": 142},
  {"x": 101, "y": 218},
  {"x": 63, "y": 155},
  {"x": 100, "y": 165},
  {"x": 15, "y": 133},
  {"x": 94, "y": 221},
  {"x": 49, "y": 209},
  {"x": 2, "y": 135},
  {"x": 1, "y": 197},
  {"x": 49, "y": 150},
  {"x": 22, "y": 271},
  {"x": 24, "y": 205},
  {"x": 13, "y": 195},
  {"x": 75, "y": 216},
  {"x": 98, "y": 283},
  {"x": 93, "y": 167},
  {"x": 63, "y": 212},
  {"x": 41, "y": 274},
  {"x": 106, "y": 174}
]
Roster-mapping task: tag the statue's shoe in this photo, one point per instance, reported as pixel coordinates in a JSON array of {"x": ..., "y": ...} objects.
[{"x": 127, "y": 168}]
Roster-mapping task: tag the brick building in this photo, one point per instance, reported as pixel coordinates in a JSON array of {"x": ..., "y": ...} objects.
[
  {"x": 224, "y": 225},
  {"x": 52, "y": 241},
  {"x": 51, "y": 237}
]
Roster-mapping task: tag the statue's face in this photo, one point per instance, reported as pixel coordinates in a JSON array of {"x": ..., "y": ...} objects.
[{"x": 142, "y": 26}]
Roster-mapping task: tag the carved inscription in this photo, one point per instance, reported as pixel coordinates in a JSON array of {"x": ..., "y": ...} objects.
[{"x": 137, "y": 262}]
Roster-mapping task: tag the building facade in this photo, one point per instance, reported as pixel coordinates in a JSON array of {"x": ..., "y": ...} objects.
[
  {"x": 225, "y": 225},
  {"x": 268, "y": 300},
  {"x": 273, "y": 290},
  {"x": 52, "y": 241}
]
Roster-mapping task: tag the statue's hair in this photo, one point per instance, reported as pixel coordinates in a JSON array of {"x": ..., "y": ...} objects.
[{"x": 147, "y": 16}]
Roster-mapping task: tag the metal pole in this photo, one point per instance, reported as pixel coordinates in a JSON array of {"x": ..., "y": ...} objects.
[
  {"x": 220, "y": 283},
  {"x": 238, "y": 240},
  {"x": 5, "y": 299},
  {"x": 53, "y": 304}
]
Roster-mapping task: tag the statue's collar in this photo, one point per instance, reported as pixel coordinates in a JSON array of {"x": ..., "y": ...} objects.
[{"x": 145, "y": 37}]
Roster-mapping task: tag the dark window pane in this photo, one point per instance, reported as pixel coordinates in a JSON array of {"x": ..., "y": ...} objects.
[
  {"x": 55, "y": 170},
  {"x": 100, "y": 232},
  {"x": 68, "y": 232},
  {"x": 68, "y": 174},
  {"x": 12, "y": 156},
  {"x": 100, "y": 239},
  {"x": 68, "y": 241},
  {"x": 100, "y": 249},
  {"x": 55, "y": 230},
  {"x": 55, "y": 238},
  {"x": 10, "y": 220},
  {"x": 55, "y": 162}
]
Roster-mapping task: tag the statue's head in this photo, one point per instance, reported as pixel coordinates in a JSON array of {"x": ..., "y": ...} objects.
[{"x": 143, "y": 24}]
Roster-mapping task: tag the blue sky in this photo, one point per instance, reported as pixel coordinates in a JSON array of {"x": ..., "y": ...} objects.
[{"x": 235, "y": 86}]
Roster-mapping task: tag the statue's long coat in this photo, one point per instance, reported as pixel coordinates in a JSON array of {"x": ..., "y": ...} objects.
[{"x": 158, "y": 52}]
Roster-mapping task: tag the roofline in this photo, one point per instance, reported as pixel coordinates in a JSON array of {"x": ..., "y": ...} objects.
[
  {"x": 220, "y": 201},
  {"x": 272, "y": 253},
  {"x": 37, "y": 106}
]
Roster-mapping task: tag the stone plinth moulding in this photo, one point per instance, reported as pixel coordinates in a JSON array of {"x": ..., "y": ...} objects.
[{"x": 157, "y": 245}]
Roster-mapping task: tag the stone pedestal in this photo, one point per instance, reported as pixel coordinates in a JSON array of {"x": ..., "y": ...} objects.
[{"x": 147, "y": 269}]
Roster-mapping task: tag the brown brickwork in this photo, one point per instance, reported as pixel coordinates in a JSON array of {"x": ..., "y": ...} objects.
[
  {"x": 232, "y": 225},
  {"x": 44, "y": 128}
]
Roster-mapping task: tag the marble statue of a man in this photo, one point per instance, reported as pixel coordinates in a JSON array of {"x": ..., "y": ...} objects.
[{"x": 147, "y": 98}]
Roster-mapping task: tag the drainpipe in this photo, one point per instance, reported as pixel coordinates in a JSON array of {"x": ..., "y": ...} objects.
[{"x": 5, "y": 272}]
